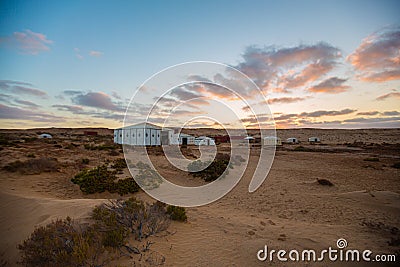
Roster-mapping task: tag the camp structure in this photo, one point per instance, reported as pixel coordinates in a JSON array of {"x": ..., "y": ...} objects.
[
  {"x": 272, "y": 141},
  {"x": 313, "y": 140},
  {"x": 204, "y": 141},
  {"x": 292, "y": 140},
  {"x": 45, "y": 136},
  {"x": 186, "y": 139},
  {"x": 143, "y": 134}
]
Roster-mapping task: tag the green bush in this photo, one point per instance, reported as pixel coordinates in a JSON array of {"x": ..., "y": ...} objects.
[
  {"x": 101, "y": 179},
  {"x": 177, "y": 213},
  {"x": 213, "y": 171}
]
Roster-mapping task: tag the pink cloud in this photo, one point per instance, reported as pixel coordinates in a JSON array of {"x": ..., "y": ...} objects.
[
  {"x": 95, "y": 53},
  {"x": 377, "y": 59},
  {"x": 27, "y": 42}
]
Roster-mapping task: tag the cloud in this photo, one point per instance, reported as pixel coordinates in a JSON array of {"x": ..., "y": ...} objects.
[
  {"x": 377, "y": 59},
  {"x": 368, "y": 113},
  {"x": 72, "y": 92},
  {"x": 371, "y": 120},
  {"x": 73, "y": 109},
  {"x": 116, "y": 95},
  {"x": 20, "y": 88},
  {"x": 284, "y": 68},
  {"x": 7, "y": 112},
  {"x": 321, "y": 113},
  {"x": 391, "y": 113},
  {"x": 388, "y": 95},
  {"x": 26, "y": 103},
  {"x": 97, "y": 100},
  {"x": 285, "y": 100},
  {"x": 27, "y": 42},
  {"x": 94, "y": 53},
  {"x": 189, "y": 93},
  {"x": 331, "y": 85}
]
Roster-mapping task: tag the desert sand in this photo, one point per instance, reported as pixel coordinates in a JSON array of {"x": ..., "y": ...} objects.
[{"x": 291, "y": 210}]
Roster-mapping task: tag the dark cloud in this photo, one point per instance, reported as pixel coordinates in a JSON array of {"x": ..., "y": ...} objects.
[
  {"x": 321, "y": 113},
  {"x": 285, "y": 100},
  {"x": 332, "y": 85},
  {"x": 377, "y": 59},
  {"x": 388, "y": 95},
  {"x": 7, "y": 112},
  {"x": 284, "y": 68},
  {"x": 26, "y": 103},
  {"x": 73, "y": 109},
  {"x": 72, "y": 92},
  {"x": 368, "y": 113},
  {"x": 20, "y": 88},
  {"x": 97, "y": 100}
]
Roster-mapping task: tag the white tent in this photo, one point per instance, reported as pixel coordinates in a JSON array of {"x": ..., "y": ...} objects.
[
  {"x": 272, "y": 141},
  {"x": 45, "y": 135}
]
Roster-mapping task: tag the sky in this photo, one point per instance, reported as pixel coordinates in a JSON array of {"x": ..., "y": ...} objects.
[{"x": 322, "y": 64}]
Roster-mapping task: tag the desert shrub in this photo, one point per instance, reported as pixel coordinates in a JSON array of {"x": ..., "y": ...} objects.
[
  {"x": 372, "y": 159},
  {"x": 324, "y": 182},
  {"x": 100, "y": 147},
  {"x": 31, "y": 155},
  {"x": 4, "y": 140},
  {"x": 61, "y": 243},
  {"x": 119, "y": 164},
  {"x": 177, "y": 213},
  {"x": 396, "y": 165},
  {"x": 302, "y": 149},
  {"x": 113, "y": 152},
  {"x": 213, "y": 171},
  {"x": 140, "y": 219},
  {"x": 101, "y": 179},
  {"x": 33, "y": 166},
  {"x": 29, "y": 139},
  {"x": 58, "y": 146},
  {"x": 85, "y": 161}
]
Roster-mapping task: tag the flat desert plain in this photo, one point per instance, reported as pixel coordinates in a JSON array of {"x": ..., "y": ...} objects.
[{"x": 291, "y": 209}]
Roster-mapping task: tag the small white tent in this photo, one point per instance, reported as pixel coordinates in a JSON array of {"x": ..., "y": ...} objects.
[{"x": 45, "y": 136}]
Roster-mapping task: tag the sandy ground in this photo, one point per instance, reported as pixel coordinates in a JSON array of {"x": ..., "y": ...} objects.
[{"x": 289, "y": 211}]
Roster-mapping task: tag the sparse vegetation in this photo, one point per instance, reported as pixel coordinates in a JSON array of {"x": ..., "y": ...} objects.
[
  {"x": 85, "y": 161},
  {"x": 101, "y": 179},
  {"x": 324, "y": 182},
  {"x": 117, "y": 229},
  {"x": 31, "y": 155},
  {"x": 177, "y": 213},
  {"x": 33, "y": 166},
  {"x": 372, "y": 159},
  {"x": 101, "y": 147},
  {"x": 396, "y": 165},
  {"x": 213, "y": 171}
]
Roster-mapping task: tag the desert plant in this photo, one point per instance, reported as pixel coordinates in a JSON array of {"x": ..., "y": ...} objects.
[
  {"x": 33, "y": 166},
  {"x": 215, "y": 170},
  {"x": 177, "y": 213},
  {"x": 31, "y": 155},
  {"x": 396, "y": 165},
  {"x": 62, "y": 243},
  {"x": 101, "y": 179},
  {"x": 85, "y": 161},
  {"x": 372, "y": 159}
]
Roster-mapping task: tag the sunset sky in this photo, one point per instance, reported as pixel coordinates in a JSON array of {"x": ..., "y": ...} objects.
[{"x": 325, "y": 64}]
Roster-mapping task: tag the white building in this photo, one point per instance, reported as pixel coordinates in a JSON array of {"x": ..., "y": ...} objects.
[
  {"x": 185, "y": 139},
  {"x": 314, "y": 140},
  {"x": 272, "y": 141},
  {"x": 143, "y": 134},
  {"x": 204, "y": 141},
  {"x": 292, "y": 140}
]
